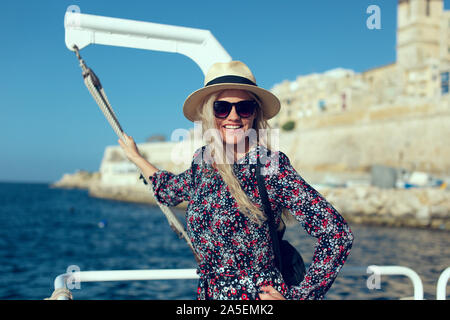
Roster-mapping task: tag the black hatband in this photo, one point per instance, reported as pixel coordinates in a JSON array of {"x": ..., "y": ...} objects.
[{"x": 230, "y": 79}]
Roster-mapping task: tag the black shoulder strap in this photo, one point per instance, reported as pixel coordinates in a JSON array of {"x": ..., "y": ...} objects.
[
  {"x": 269, "y": 214},
  {"x": 194, "y": 166}
]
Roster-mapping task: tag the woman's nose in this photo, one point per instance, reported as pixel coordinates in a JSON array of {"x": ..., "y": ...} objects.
[{"x": 233, "y": 114}]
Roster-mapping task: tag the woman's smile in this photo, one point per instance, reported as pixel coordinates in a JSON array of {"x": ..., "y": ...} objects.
[{"x": 233, "y": 131}]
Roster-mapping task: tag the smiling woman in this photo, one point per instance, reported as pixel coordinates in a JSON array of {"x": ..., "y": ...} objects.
[{"x": 225, "y": 218}]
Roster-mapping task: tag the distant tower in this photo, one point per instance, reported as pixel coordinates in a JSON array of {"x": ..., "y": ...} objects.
[{"x": 418, "y": 31}]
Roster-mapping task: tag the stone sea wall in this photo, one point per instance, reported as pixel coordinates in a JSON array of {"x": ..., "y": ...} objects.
[{"x": 414, "y": 207}]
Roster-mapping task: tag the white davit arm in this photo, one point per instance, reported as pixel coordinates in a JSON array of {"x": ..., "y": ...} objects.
[{"x": 199, "y": 45}]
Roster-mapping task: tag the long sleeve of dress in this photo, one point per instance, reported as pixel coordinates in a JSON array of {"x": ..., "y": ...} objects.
[
  {"x": 320, "y": 220},
  {"x": 171, "y": 189}
]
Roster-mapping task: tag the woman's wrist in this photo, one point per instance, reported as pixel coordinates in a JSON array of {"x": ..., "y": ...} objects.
[
  {"x": 140, "y": 161},
  {"x": 137, "y": 159},
  {"x": 146, "y": 167}
]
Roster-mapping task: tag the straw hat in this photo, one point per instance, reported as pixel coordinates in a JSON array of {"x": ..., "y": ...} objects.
[{"x": 230, "y": 75}]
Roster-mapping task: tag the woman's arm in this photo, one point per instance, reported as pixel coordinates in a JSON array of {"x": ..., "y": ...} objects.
[
  {"x": 132, "y": 153},
  {"x": 320, "y": 220},
  {"x": 169, "y": 189}
]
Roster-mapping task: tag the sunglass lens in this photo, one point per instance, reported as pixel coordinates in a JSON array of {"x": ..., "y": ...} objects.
[
  {"x": 246, "y": 108},
  {"x": 222, "y": 109}
]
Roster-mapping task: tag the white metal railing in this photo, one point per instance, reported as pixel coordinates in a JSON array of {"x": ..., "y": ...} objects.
[
  {"x": 403, "y": 271},
  {"x": 441, "y": 288},
  {"x": 70, "y": 280}
]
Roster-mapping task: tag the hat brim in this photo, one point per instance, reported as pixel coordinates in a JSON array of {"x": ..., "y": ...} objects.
[{"x": 270, "y": 104}]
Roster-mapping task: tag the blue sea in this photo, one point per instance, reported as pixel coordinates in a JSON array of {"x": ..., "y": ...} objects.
[{"x": 46, "y": 230}]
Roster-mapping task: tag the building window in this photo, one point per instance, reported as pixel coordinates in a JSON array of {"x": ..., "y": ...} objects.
[
  {"x": 322, "y": 105},
  {"x": 428, "y": 8},
  {"x": 444, "y": 82}
]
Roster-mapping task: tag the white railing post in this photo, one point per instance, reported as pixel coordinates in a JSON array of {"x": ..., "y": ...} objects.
[
  {"x": 404, "y": 271},
  {"x": 441, "y": 288},
  {"x": 61, "y": 283}
]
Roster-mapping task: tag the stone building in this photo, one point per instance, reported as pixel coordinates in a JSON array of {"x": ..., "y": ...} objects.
[
  {"x": 394, "y": 115},
  {"x": 419, "y": 75}
]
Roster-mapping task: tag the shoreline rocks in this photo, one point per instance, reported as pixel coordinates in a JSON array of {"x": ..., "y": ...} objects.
[
  {"x": 413, "y": 207},
  {"x": 78, "y": 180}
]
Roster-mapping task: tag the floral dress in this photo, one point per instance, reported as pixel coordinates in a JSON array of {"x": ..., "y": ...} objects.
[{"x": 236, "y": 254}]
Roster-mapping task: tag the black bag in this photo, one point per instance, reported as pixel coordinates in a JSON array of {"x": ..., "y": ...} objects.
[{"x": 287, "y": 258}]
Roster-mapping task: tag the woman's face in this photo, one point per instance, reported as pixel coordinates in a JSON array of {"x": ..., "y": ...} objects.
[{"x": 233, "y": 127}]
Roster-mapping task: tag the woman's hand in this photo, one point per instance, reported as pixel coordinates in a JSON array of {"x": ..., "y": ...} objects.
[
  {"x": 132, "y": 153},
  {"x": 129, "y": 148},
  {"x": 269, "y": 293}
]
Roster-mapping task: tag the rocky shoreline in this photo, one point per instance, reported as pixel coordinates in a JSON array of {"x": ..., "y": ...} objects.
[
  {"x": 78, "y": 180},
  {"x": 413, "y": 207},
  {"x": 361, "y": 204}
]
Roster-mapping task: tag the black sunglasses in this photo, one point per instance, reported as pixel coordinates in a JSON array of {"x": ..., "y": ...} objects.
[{"x": 244, "y": 109}]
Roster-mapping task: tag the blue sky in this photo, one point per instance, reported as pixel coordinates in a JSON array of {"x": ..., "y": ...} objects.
[{"x": 50, "y": 123}]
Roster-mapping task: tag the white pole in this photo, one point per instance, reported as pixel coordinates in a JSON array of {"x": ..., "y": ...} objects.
[
  {"x": 442, "y": 285},
  {"x": 75, "y": 278},
  {"x": 404, "y": 271},
  {"x": 128, "y": 275}
]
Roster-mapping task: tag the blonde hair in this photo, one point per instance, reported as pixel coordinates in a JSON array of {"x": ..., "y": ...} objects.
[{"x": 225, "y": 169}]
